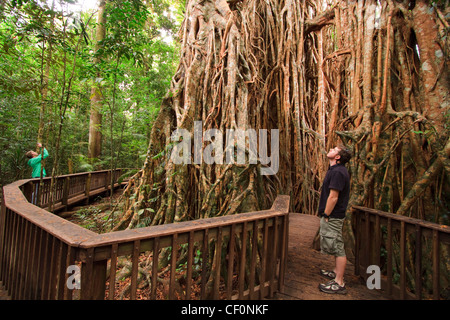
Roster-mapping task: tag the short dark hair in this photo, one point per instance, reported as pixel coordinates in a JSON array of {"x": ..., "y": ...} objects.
[
  {"x": 345, "y": 154},
  {"x": 29, "y": 154}
]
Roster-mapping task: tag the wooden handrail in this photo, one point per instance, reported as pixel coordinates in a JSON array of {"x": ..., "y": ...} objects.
[
  {"x": 58, "y": 227},
  {"x": 279, "y": 207},
  {"x": 37, "y": 247},
  {"x": 397, "y": 245},
  {"x": 412, "y": 221}
]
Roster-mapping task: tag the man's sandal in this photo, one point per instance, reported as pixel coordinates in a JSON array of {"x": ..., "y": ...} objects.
[
  {"x": 332, "y": 287},
  {"x": 328, "y": 274}
]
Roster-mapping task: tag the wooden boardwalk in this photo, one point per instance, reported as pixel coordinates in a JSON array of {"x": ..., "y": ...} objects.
[
  {"x": 304, "y": 263},
  {"x": 302, "y": 273}
]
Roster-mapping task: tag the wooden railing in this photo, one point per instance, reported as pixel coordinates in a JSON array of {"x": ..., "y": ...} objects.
[
  {"x": 239, "y": 256},
  {"x": 68, "y": 189},
  {"x": 412, "y": 254}
]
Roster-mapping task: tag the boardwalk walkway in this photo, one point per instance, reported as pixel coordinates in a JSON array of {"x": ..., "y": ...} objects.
[{"x": 302, "y": 272}]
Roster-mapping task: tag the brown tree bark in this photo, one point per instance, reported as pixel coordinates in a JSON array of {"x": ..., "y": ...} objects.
[
  {"x": 433, "y": 65},
  {"x": 95, "y": 119},
  {"x": 321, "y": 76}
]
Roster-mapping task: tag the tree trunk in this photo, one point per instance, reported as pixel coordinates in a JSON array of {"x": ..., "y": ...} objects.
[
  {"x": 321, "y": 75},
  {"x": 95, "y": 119},
  {"x": 45, "y": 73},
  {"x": 433, "y": 67}
]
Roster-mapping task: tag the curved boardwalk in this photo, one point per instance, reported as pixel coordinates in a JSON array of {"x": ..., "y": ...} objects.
[{"x": 302, "y": 273}]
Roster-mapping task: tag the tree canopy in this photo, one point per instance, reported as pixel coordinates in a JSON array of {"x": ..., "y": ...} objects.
[{"x": 48, "y": 66}]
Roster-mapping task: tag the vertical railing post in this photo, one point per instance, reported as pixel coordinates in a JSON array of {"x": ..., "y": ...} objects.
[
  {"x": 389, "y": 247},
  {"x": 377, "y": 247},
  {"x": 99, "y": 282},
  {"x": 70, "y": 260},
  {"x": 88, "y": 188},
  {"x": 284, "y": 251},
  {"x": 65, "y": 197},
  {"x": 112, "y": 273},
  {"x": 367, "y": 243},
  {"x": 436, "y": 267},
  {"x": 356, "y": 216},
  {"x": 189, "y": 265},
  {"x": 118, "y": 174},
  {"x": 242, "y": 261},
  {"x": 273, "y": 246},
  {"x": 2, "y": 233},
  {"x": 107, "y": 179},
  {"x": 93, "y": 277},
  {"x": 264, "y": 259},
  {"x": 205, "y": 257},
  {"x": 418, "y": 266},
  {"x": 402, "y": 260},
  {"x": 253, "y": 250},
  {"x": 217, "y": 257},
  {"x": 231, "y": 251}
]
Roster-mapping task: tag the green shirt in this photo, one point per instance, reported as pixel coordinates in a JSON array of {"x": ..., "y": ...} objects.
[{"x": 35, "y": 164}]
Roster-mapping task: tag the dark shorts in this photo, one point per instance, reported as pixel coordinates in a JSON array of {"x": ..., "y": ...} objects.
[{"x": 331, "y": 240}]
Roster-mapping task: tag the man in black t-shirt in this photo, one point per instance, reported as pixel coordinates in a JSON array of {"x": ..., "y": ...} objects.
[{"x": 332, "y": 207}]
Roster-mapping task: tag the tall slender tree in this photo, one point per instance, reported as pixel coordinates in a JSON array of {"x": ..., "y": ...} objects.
[{"x": 95, "y": 120}]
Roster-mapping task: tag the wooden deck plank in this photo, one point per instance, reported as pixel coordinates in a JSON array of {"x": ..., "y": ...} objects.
[{"x": 304, "y": 264}]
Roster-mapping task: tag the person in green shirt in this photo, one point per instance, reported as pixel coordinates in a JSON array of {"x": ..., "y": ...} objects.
[{"x": 35, "y": 160}]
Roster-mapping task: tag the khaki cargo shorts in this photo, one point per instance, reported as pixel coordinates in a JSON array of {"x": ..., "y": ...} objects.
[{"x": 331, "y": 241}]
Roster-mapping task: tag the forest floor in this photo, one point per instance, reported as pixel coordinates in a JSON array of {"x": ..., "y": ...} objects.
[{"x": 96, "y": 216}]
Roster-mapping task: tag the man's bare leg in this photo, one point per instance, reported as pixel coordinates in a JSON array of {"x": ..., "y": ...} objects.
[{"x": 341, "y": 263}]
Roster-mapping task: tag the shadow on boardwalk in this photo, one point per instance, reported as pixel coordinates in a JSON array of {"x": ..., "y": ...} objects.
[{"x": 304, "y": 263}]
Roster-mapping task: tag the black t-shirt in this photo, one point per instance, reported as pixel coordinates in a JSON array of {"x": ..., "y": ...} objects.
[{"x": 337, "y": 178}]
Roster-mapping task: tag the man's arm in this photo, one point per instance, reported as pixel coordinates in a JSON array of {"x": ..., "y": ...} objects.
[
  {"x": 331, "y": 202},
  {"x": 45, "y": 155}
]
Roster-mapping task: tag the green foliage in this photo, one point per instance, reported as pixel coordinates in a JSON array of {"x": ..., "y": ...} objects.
[{"x": 136, "y": 65}]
